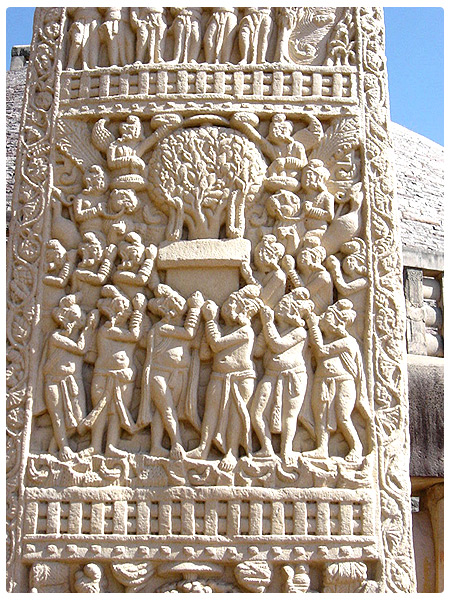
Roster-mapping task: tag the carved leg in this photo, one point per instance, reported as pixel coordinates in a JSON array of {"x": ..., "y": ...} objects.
[
  {"x": 238, "y": 430},
  {"x": 320, "y": 412},
  {"x": 262, "y": 42},
  {"x": 157, "y": 428},
  {"x": 99, "y": 426},
  {"x": 53, "y": 403},
  {"x": 291, "y": 411},
  {"x": 209, "y": 424},
  {"x": 228, "y": 40},
  {"x": 345, "y": 402},
  {"x": 141, "y": 44},
  {"x": 163, "y": 399},
  {"x": 260, "y": 425},
  {"x": 194, "y": 43},
  {"x": 209, "y": 43}
]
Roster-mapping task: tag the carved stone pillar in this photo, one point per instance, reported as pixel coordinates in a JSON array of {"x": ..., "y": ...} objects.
[
  {"x": 433, "y": 501},
  {"x": 206, "y": 362}
]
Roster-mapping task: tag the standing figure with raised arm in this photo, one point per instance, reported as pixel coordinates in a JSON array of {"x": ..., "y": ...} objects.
[
  {"x": 313, "y": 275},
  {"x": 339, "y": 381},
  {"x": 89, "y": 206},
  {"x": 137, "y": 267},
  {"x": 114, "y": 370},
  {"x": 94, "y": 269},
  {"x": 267, "y": 256},
  {"x": 64, "y": 394},
  {"x": 280, "y": 393},
  {"x": 227, "y": 420},
  {"x": 150, "y": 27},
  {"x": 168, "y": 370}
]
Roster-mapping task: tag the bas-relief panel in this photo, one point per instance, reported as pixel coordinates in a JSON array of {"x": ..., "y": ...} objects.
[{"x": 205, "y": 327}]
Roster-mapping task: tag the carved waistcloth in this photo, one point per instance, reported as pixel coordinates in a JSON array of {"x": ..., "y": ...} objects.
[
  {"x": 230, "y": 391},
  {"x": 112, "y": 395},
  {"x": 68, "y": 393},
  {"x": 328, "y": 392},
  {"x": 289, "y": 381}
]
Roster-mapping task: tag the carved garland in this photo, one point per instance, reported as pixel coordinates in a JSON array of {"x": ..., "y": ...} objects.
[
  {"x": 24, "y": 253},
  {"x": 391, "y": 410}
]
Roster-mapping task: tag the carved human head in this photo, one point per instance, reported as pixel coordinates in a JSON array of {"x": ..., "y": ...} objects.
[
  {"x": 315, "y": 175},
  {"x": 55, "y": 254},
  {"x": 167, "y": 303},
  {"x": 123, "y": 201},
  {"x": 283, "y": 204},
  {"x": 131, "y": 251},
  {"x": 114, "y": 304},
  {"x": 68, "y": 313},
  {"x": 91, "y": 248},
  {"x": 294, "y": 306},
  {"x": 337, "y": 316},
  {"x": 242, "y": 305},
  {"x": 280, "y": 129},
  {"x": 311, "y": 255},
  {"x": 93, "y": 571},
  {"x": 355, "y": 261},
  {"x": 268, "y": 253},
  {"x": 131, "y": 128},
  {"x": 95, "y": 179}
]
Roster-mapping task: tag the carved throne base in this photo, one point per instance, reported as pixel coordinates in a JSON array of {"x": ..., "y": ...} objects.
[{"x": 209, "y": 266}]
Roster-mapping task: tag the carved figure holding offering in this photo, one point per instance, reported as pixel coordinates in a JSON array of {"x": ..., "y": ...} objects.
[
  {"x": 280, "y": 393},
  {"x": 89, "y": 206},
  {"x": 284, "y": 207},
  {"x": 137, "y": 268},
  {"x": 318, "y": 204},
  {"x": 94, "y": 269},
  {"x": 119, "y": 222},
  {"x": 114, "y": 370},
  {"x": 219, "y": 36},
  {"x": 116, "y": 34},
  {"x": 350, "y": 279},
  {"x": 267, "y": 257},
  {"x": 339, "y": 381},
  {"x": 167, "y": 375},
  {"x": 60, "y": 264},
  {"x": 150, "y": 27},
  {"x": 63, "y": 378},
  {"x": 314, "y": 275},
  {"x": 254, "y": 30},
  {"x": 232, "y": 381},
  {"x": 186, "y": 31},
  {"x": 84, "y": 37},
  {"x": 286, "y": 19}
]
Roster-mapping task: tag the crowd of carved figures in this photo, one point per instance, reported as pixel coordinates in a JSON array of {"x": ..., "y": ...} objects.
[
  {"x": 106, "y": 301},
  {"x": 123, "y": 36}
]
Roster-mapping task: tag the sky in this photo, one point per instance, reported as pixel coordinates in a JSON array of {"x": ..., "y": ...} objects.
[{"x": 415, "y": 58}]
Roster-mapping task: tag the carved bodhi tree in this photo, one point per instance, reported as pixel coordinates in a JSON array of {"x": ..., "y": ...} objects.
[{"x": 202, "y": 178}]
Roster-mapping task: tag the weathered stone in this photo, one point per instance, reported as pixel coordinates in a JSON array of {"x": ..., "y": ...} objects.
[
  {"x": 205, "y": 306},
  {"x": 426, "y": 407}
]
